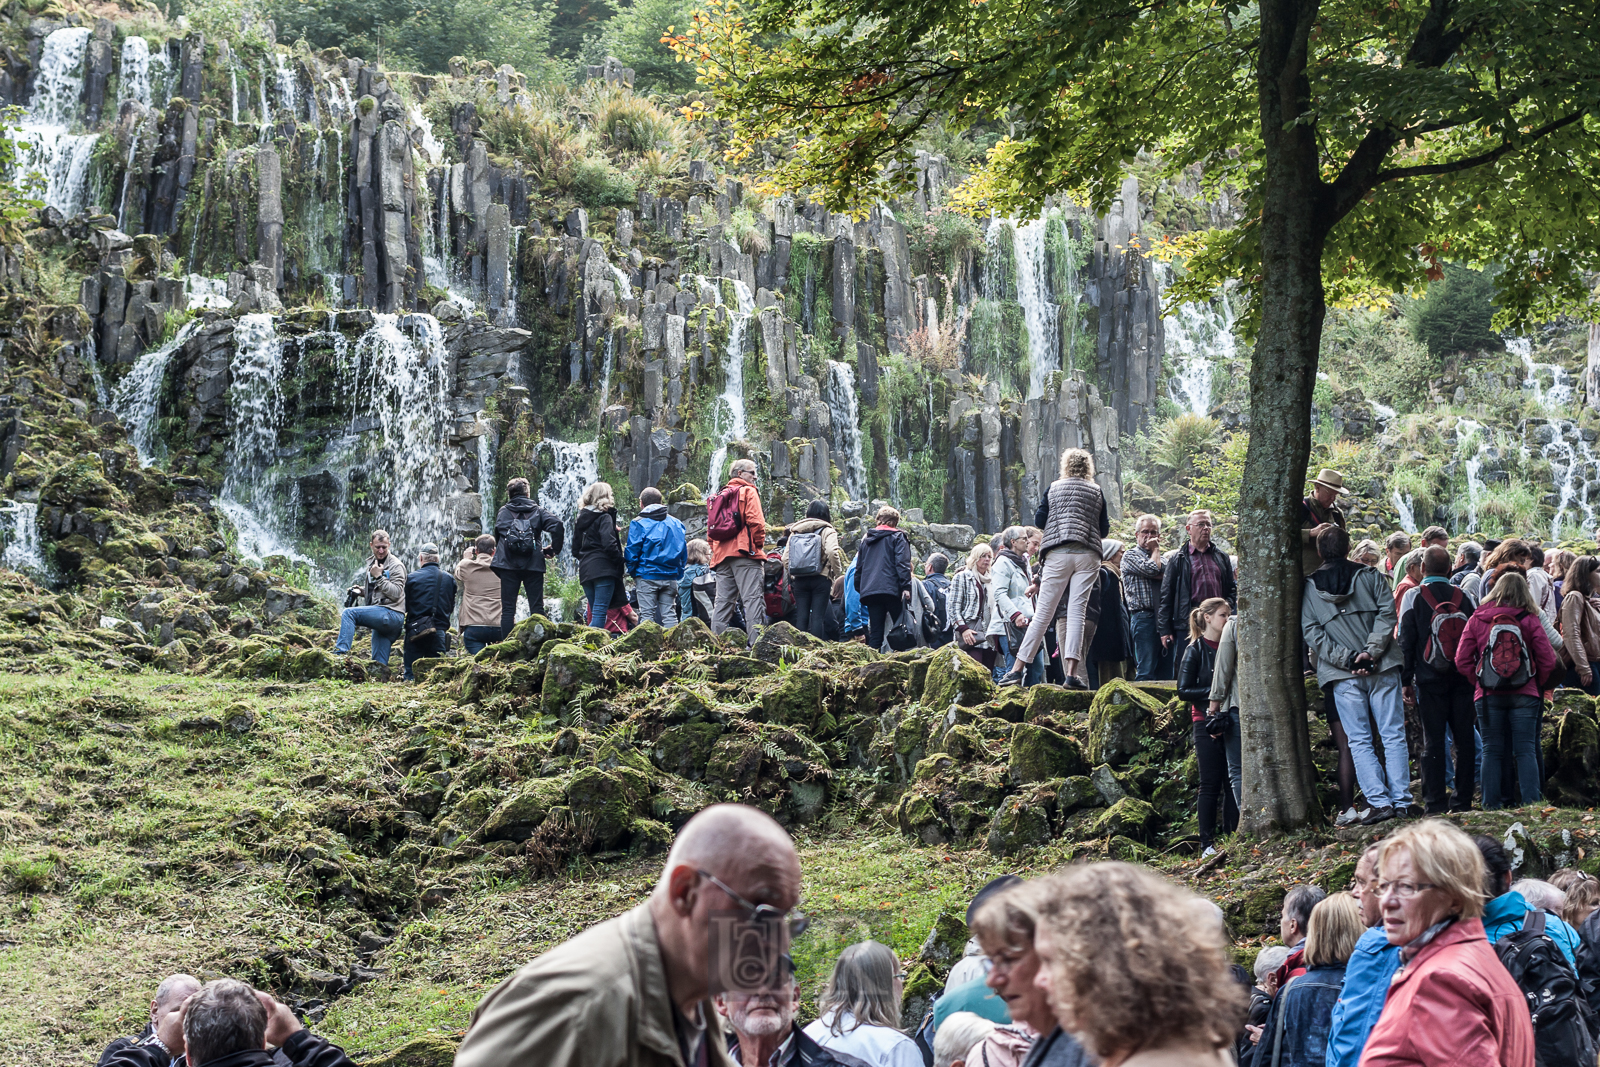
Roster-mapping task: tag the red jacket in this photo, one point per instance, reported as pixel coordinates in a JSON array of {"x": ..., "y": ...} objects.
[
  {"x": 1454, "y": 1005},
  {"x": 1476, "y": 635},
  {"x": 750, "y": 540}
]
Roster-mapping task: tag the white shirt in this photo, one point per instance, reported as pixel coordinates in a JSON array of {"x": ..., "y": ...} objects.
[{"x": 877, "y": 1046}]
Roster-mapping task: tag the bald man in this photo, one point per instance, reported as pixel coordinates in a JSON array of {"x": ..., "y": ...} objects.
[
  {"x": 170, "y": 995},
  {"x": 637, "y": 989}
]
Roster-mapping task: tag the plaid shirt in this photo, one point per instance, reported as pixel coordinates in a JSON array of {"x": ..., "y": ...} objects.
[
  {"x": 1141, "y": 580},
  {"x": 964, "y": 602}
]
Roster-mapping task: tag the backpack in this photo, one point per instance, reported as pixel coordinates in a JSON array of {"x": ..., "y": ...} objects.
[
  {"x": 1505, "y": 663},
  {"x": 703, "y": 595},
  {"x": 1563, "y": 1030},
  {"x": 724, "y": 517},
  {"x": 1445, "y": 631},
  {"x": 805, "y": 554},
  {"x": 936, "y": 624},
  {"x": 773, "y": 588},
  {"x": 523, "y": 538}
]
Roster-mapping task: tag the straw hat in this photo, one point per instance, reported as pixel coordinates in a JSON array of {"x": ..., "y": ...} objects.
[{"x": 1329, "y": 478}]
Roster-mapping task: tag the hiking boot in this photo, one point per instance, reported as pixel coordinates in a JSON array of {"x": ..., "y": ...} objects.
[
  {"x": 1352, "y": 816},
  {"x": 1074, "y": 682},
  {"x": 1013, "y": 677},
  {"x": 1378, "y": 815}
]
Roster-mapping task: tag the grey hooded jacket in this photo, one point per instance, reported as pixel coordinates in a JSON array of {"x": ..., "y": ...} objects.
[{"x": 1340, "y": 625}]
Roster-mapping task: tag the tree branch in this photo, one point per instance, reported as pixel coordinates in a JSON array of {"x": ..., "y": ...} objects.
[{"x": 1468, "y": 162}]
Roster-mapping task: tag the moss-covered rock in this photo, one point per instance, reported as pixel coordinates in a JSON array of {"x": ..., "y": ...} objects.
[
  {"x": 531, "y": 633},
  {"x": 1056, "y": 702},
  {"x": 964, "y": 743},
  {"x": 1576, "y": 757},
  {"x": 524, "y": 812},
  {"x": 569, "y": 669},
  {"x": 917, "y": 817},
  {"x": 796, "y": 700},
  {"x": 605, "y": 803},
  {"x": 1120, "y": 719},
  {"x": 649, "y": 837},
  {"x": 877, "y": 685},
  {"x": 314, "y": 663},
  {"x": 955, "y": 678},
  {"x": 684, "y": 750},
  {"x": 1021, "y": 823},
  {"x": 732, "y": 667},
  {"x": 1075, "y": 793},
  {"x": 933, "y": 766},
  {"x": 1129, "y": 816},
  {"x": 690, "y": 635},
  {"x": 781, "y": 641},
  {"x": 647, "y": 640},
  {"x": 908, "y": 738},
  {"x": 1038, "y": 755},
  {"x": 1107, "y": 784},
  {"x": 429, "y": 1050}
]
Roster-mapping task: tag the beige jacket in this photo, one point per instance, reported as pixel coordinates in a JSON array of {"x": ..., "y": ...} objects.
[
  {"x": 833, "y": 564},
  {"x": 599, "y": 1000},
  {"x": 1181, "y": 1057},
  {"x": 388, "y": 591},
  {"x": 1580, "y": 629},
  {"x": 480, "y": 592}
]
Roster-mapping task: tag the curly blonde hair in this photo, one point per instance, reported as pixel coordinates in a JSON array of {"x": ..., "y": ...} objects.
[
  {"x": 1135, "y": 961},
  {"x": 1077, "y": 463}
]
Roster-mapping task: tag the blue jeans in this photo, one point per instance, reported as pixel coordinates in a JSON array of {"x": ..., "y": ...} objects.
[
  {"x": 1450, "y": 758},
  {"x": 599, "y": 593},
  {"x": 1510, "y": 731},
  {"x": 477, "y": 638},
  {"x": 385, "y": 624},
  {"x": 1006, "y": 660},
  {"x": 1387, "y": 784},
  {"x": 1149, "y": 658}
]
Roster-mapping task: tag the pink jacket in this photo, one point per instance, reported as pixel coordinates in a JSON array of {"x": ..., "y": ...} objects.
[
  {"x": 1476, "y": 635},
  {"x": 1454, "y": 1005},
  {"x": 1006, "y": 1046}
]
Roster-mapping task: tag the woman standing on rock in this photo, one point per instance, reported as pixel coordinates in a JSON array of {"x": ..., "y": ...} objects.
[
  {"x": 814, "y": 560},
  {"x": 883, "y": 574},
  {"x": 1580, "y": 625},
  {"x": 970, "y": 606},
  {"x": 1194, "y": 688},
  {"x": 598, "y": 549}
]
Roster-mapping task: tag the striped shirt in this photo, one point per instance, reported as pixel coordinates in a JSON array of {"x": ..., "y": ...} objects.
[{"x": 1141, "y": 580}]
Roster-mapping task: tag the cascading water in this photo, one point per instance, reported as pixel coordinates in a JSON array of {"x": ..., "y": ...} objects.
[
  {"x": 1470, "y": 430},
  {"x": 288, "y": 86},
  {"x": 844, "y": 414},
  {"x": 127, "y": 179},
  {"x": 1198, "y": 336},
  {"x": 44, "y": 142},
  {"x": 207, "y": 292},
  {"x": 605, "y": 370},
  {"x": 91, "y": 357},
  {"x": 1405, "y": 506},
  {"x": 233, "y": 83},
  {"x": 1574, "y": 468},
  {"x": 256, "y": 413},
  {"x": 624, "y": 283},
  {"x": 135, "y": 71},
  {"x": 729, "y": 421},
  {"x": 137, "y": 400},
  {"x": 24, "y": 551},
  {"x": 1040, "y": 312},
  {"x": 573, "y": 466},
  {"x": 486, "y": 480}
]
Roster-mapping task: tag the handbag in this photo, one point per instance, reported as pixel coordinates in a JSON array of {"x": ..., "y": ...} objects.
[{"x": 899, "y": 636}]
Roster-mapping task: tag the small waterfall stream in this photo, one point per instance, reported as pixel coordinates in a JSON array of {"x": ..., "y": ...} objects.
[
  {"x": 1405, "y": 506},
  {"x": 1574, "y": 468},
  {"x": 1040, "y": 312},
  {"x": 45, "y": 143},
  {"x": 1471, "y": 430},
  {"x": 137, "y": 398},
  {"x": 573, "y": 467},
  {"x": 24, "y": 551},
  {"x": 1198, "y": 336},
  {"x": 256, "y": 415},
  {"x": 135, "y": 71},
  {"x": 845, "y": 416},
  {"x": 729, "y": 422}
]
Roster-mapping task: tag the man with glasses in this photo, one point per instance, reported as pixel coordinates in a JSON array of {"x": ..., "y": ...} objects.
[
  {"x": 763, "y": 1029},
  {"x": 637, "y": 989},
  {"x": 1191, "y": 575},
  {"x": 1367, "y": 975}
]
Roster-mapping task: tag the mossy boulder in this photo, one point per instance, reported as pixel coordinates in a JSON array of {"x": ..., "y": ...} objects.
[
  {"x": 429, "y": 1050},
  {"x": 781, "y": 641},
  {"x": 796, "y": 700},
  {"x": 1039, "y": 754},
  {"x": 1076, "y": 793},
  {"x": 1576, "y": 757},
  {"x": 264, "y": 664},
  {"x": 649, "y": 837},
  {"x": 684, "y": 750},
  {"x": 731, "y": 667},
  {"x": 607, "y": 802},
  {"x": 1574, "y": 700},
  {"x": 1120, "y": 720},
  {"x": 956, "y": 678},
  {"x": 1007, "y": 705},
  {"x": 690, "y": 635},
  {"x": 1110, "y": 788},
  {"x": 1056, "y": 702},
  {"x": 316, "y": 663},
  {"x": 908, "y": 738},
  {"x": 1129, "y": 816},
  {"x": 917, "y": 816},
  {"x": 933, "y": 766},
  {"x": 531, "y": 633},
  {"x": 647, "y": 640},
  {"x": 964, "y": 743},
  {"x": 524, "y": 812},
  {"x": 877, "y": 685},
  {"x": 685, "y": 705},
  {"x": 569, "y": 668},
  {"x": 946, "y": 939},
  {"x": 1021, "y": 823}
]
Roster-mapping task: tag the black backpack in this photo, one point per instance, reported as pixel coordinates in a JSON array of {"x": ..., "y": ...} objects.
[
  {"x": 1563, "y": 1029},
  {"x": 523, "y": 537},
  {"x": 936, "y": 627}
]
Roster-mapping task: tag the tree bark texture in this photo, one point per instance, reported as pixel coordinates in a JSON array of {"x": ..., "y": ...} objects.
[{"x": 1279, "y": 779}]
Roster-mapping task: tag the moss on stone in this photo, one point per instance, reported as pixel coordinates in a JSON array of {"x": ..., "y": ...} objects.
[
  {"x": 1077, "y": 792},
  {"x": 520, "y": 815},
  {"x": 315, "y": 663},
  {"x": 569, "y": 668},
  {"x": 1038, "y": 755},
  {"x": 690, "y": 635},
  {"x": 796, "y": 700},
  {"x": 917, "y": 817},
  {"x": 1021, "y": 823},
  {"x": 731, "y": 668},
  {"x": 683, "y": 750},
  {"x": 1120, "y": 719},
  {"x": 1129, "y": 816},
  {"x": 964, "y": 743},
  {"x": 649, "y": 837},
  {"x": 955, "y": 678},
  {"x": 605, "y": 803},
  {"x": 933, "y": 766},
  {"x": 877, "y": 685},
  {"x": 429, "y": 1050},
  {"x": 1056, "y": 702},
  {"x": 647, "y": 639}
]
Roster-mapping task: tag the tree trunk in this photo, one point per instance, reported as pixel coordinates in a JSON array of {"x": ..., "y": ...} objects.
[{"x": 1279, "y": 779}]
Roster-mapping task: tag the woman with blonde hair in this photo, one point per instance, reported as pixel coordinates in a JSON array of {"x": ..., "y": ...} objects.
[
  {"x": 1296, "y": 1030},
  {"x": 1211, "y": 736},
  {"x": 1136, "y": 968},
  {"x": 1508, "y": 680},
  {"x": 858, "y": 1013},
  {"x": 1452, "y": 1002},
  {"x": 1074, "y": 521},
  {"x": 1367, "y": 553},
  {"x": 970, "y": 607},
  {"x": 597, "y": 547}
]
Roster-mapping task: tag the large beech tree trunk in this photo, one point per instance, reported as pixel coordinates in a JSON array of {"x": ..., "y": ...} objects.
[{"x": 1279, "y": 780}]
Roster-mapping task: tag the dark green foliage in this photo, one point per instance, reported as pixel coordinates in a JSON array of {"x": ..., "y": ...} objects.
[
  {"x": 425, "y": 37},
  {"x": 634, "y": 36},
  {"x": 1455, "y": 314}
]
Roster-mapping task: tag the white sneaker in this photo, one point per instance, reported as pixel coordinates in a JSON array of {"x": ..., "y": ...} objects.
[
  {"x": 1211, "y": 850},
  {"x": 1351, "y": 816}
]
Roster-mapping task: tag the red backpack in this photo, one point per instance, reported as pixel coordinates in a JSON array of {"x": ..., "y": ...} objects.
[
  {"x": 1505, "y": 663},
  {"x": 724, "y": 516},
  {"x": 1449, "y": 621}
]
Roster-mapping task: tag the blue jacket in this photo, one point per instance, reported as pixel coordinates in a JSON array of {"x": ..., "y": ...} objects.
[
  {"x": 1366, "y": 986},
  {"x": 686, "y": 588},
  {"x": 657, "y": 548},
  {"x": 1504, "y": 914},
  {"x": 1306, "y": 1006},
  {"x": 854, "y": 617}
]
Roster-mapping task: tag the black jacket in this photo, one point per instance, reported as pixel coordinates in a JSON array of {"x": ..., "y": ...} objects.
[
  {"x": 1058, "y": 1049},
  {"x": 883, "y": 563},
  {"x": 597, "y": 548},
  {"x": 430, "y": 598},
  {"x": 1415, "y": 630},
  {"x": 543, "y": 523},
  {"x": 1172, "y": 617},
  {"x": 303, "y": 1049},
  {"x": 1113, "y": 639},
  {"x": 1194, "y": 674},
  {"x": 804, "y": 1052}
]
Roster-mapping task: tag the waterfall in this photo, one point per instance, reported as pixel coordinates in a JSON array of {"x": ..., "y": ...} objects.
[
  {"x": 486, "y": 480},
  {"x": 1468, "y": 429},
  {"x": 1558, "y": 398},
  {"x": 1040, "y": 312},
  {"x": 431, "y": 149},
  {"x": 1574, "y": 467},
  {"x": 288, "y": 86},
  {"x": 728, "y": 421},
  {"x": 233, "y": 82},
  {"x": 92, "y": 358},
  {"x": 23, "y": 549},
  {"x": 207, "y": 292},
  {"x": 1198, "y": 334},
  {"x": 127, "y": 177},
  {"x": 137, "y": 400},
  {"x": 605, "y": 371},
  {"x": 135, "y": 71},
  {"x": 624, "y": 283},
  {"x": 508, "y": 314},
  {"x": 44, "y": 143},
  {"x": 256, "y": 414},
  {"x": 845, "y": 417},
  {"x": 1404, "y": 505},
  {"x": 573, "y": 466}
]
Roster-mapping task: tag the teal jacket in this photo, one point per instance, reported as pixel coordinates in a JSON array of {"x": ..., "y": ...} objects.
[{"x": 1504, "y": 914}]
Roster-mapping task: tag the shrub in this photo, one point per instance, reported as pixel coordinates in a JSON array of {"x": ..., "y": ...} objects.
[
  {"x": 1455, "y": 313},
  {"x": 595, "y": 184}
]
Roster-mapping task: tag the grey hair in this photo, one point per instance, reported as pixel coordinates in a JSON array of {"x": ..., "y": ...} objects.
[
  {"x": 223, "y": 1018},
  {"x": 1268, "y": 960},
  {"x": 1471, "y": 551},
  {"x": 1540, "y": 894},
  {"x": 861, "y": 986},
  {"x": 1012, "y": 534},
  {"x": 1299, "y": 901},
  {"x": 1147, "y": 520},
  {"x": 598, "y": 495},
  {"x": 957, "y": 1034},
  {"x": 174, "y": 982}
]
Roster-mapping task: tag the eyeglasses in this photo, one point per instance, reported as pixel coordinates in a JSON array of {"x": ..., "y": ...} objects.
[
  {"x": 1403, "y": 890},
  {"x": 796, "y": 920}
]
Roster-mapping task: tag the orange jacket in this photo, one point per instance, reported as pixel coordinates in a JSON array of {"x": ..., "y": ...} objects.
[{"x": 748, "y": 545}]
